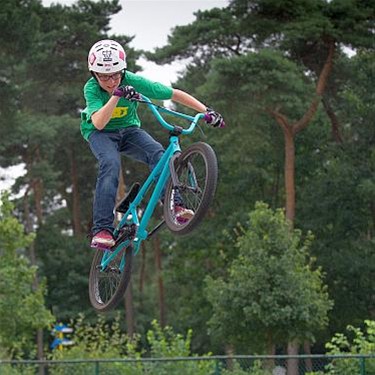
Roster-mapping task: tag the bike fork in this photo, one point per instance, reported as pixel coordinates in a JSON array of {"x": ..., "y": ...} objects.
[{"x": 174, "y": 177}]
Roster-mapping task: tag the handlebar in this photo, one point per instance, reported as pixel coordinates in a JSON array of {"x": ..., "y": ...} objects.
[{"x": 156, "y": 109}]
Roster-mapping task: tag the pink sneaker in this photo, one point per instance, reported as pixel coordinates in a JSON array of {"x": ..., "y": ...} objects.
[
  {"x": 182, "y": 214},
  {"x": 102, "y": 240}
]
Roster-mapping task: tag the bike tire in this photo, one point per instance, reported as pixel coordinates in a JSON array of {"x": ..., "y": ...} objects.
[
  {"x": 104, "y": 294},
  {"x": 199, "y": 164}
]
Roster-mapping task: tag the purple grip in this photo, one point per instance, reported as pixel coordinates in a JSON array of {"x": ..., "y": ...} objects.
[
  {"x": 118, "y": 92},
  {"x": 209, "y": 118}
]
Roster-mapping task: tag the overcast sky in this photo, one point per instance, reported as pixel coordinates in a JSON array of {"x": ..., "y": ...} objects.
[{"x": 150, "y": 21}]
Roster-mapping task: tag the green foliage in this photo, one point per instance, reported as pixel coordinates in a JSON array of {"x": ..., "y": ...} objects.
[
  {"x": 18, "y": 370},
  {"x": 65, "y": 262},
  {"x": 247, "y": 59},
  {"x": 22, "y": 307},
  {"x": 101, "y": 340},
  {"x": 336, "y": 193},
  {"x": 302, "y": 28},
  {"x": 272, "y": 287},
  {"x": 215, "y": 32},
  {"x": 98, "y": 340},
  {"x": 361, "y": 343},
  {"x": 237, "y": 369},
  {"x": 164, "y": 343},
  {"x": 267, "y": 80},
  {"x": 355, "y": 341},
  {"x": 46, "y": 82}
]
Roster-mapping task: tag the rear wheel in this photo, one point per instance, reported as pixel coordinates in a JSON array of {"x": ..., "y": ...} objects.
[
  {"x": 107, "y": 284},
  {"x": 197, "y": 173}
]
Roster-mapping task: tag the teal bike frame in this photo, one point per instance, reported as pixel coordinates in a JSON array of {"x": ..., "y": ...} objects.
[{"x": 158, "y": 177}]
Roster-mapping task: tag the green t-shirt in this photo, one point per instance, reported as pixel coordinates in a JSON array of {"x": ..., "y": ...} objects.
[{"x": 125, "y": 113}]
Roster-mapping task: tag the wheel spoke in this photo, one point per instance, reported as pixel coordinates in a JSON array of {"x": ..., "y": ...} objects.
[
  {"x": 107, "y": 286},
  {"x": 196, "y": 169}
]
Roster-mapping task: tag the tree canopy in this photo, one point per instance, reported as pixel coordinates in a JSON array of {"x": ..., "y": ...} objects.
[{"x": 294, "y": 81}]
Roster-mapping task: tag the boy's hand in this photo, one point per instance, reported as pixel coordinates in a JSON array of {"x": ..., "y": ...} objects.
[
  {"x": 214, "y": 118},
  {"x": 127, "y": 92}
]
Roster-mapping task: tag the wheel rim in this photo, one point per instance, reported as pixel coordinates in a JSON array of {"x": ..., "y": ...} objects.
[
  {"x": 192, "y": 175},
  {"x": 107, "y": 280}
]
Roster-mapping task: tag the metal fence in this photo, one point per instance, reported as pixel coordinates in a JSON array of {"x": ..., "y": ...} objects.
[{"x": 210, "y": 365}]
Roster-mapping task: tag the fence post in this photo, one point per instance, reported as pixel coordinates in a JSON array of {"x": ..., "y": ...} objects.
[
  {"x": 362, "y": 365},
  {"x": 97, "y": 368}
]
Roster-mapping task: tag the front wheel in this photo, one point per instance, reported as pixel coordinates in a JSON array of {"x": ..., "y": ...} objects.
[
  {"x": 109, "y": 277},
  {"x": 197, "y": 172}
]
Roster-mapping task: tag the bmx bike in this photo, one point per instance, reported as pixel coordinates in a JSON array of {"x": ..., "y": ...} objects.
[{"x": 192, "y": 173}]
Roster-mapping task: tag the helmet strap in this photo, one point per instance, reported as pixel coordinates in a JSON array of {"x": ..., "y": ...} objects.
[{"x": 94, "y": 75}]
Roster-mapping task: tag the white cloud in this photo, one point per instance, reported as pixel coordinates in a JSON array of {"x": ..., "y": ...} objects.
[{"x": 9, "y": 175}]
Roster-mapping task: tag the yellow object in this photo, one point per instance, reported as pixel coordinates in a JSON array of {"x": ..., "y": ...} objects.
[{"x": 119, "y": 112}]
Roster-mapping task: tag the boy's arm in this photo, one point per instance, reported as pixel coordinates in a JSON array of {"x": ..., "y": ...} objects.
[
  {"x": 212, "y": 117},
  {"x": 186, "y": 99},
  {"x": 101, "y": 118}
]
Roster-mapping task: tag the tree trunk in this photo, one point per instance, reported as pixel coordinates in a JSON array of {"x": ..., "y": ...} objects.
[
  {"x": 29, "y": 229},
  {"x": 129, "y": 306},
  {"x": 308, "y": 361},
  {"x": 292, "y": 363},
  {"x": 371, "y": 227},
  {"x": 142, "y": 273},
  {"x": 229, "y": 351},
  {"x": 290, "y": 193},
  {"x": 335, "y": 125},
  {"x": 158, "y": 263},
  {"x": 271, "y": 350},
  {"x": 77, "y": 229},
  {"x": 276, "y": 187},
  {"x": 290, "y": 130},
  {"x": 129, "y": 312},
  {"x": 37, "y": 187}
]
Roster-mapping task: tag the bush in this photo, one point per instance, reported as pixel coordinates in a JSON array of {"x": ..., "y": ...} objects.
[
  {"x": 360, "y": 343},
  {"x": 104, "y": 341}
]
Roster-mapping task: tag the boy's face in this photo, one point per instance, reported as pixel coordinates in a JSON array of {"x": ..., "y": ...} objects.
[{"x": 109, "y": 82}]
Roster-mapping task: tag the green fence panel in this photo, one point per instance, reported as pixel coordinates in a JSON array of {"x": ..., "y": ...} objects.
[{"x": 210, "y": 365}]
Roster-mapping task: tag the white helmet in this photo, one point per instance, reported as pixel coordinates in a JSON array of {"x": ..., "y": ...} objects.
[{"x": 106, "y": 56}]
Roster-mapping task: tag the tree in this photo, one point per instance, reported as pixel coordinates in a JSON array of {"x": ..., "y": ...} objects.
[
  {"x": 44, "y": 132},
  {"x": 311, "y": 34},
  {"x": 337, "y": 197},
  {"x": 19, "y": 22},
  {"x": 274, "y": 292},
  {"x": 22, "y": 306}
]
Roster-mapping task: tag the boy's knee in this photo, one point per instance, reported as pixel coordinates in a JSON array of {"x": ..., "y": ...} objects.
[{"x": 110, "y": 165}]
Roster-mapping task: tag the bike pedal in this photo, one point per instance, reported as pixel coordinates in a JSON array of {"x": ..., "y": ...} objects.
[{"x": 124, "y": 204}]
